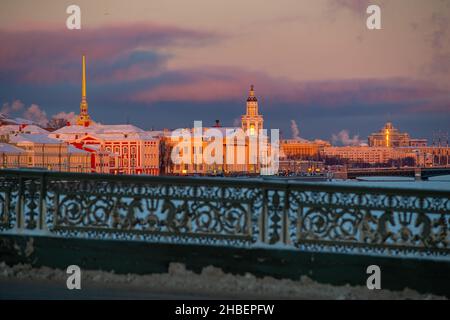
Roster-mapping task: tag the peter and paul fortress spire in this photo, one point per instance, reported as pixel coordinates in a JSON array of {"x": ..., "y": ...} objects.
[{"x": 83, "y": 118}]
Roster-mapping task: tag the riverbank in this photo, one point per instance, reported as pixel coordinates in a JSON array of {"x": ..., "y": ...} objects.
[{"x": 25, "y": 282}]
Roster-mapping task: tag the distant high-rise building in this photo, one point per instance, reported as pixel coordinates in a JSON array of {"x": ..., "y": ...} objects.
[
  {"x": 391, "y": 137},
  {"x": 369, "y": 155},
  {"x": 83, "y": 118}
]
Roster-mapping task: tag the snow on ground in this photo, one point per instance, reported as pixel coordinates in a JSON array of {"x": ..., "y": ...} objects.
[{"x": 212, "y": 283}]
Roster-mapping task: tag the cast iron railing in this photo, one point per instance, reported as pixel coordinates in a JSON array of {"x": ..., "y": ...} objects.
[{"x": 236, "y": 212}]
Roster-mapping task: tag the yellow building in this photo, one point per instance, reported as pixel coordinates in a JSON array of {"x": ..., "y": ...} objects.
[
  {"x": 369, "y": 155},
  {"x": 300, "y": 149},
  {"x": 12, "y": 156},
  {"x": 79, "y": 160},
  {"x": 40, "y": 151},
  {"x": 234, "y": 153},
  {"x": 241, "y": 148}
]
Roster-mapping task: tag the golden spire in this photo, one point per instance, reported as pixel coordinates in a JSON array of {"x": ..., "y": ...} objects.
[
  {"x": 83, "y": 118},
  {"x": 83, "y": 83}
]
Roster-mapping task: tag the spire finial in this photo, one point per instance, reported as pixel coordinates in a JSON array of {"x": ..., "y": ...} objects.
[
  {"x": 83, "y": 80},
  {"x": 251, "y": 95}
]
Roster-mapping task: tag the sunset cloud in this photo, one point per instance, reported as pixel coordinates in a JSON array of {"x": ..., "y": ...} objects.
[
  {"x": 228, "y": 84},
  {"x": 53, "y": 55}
]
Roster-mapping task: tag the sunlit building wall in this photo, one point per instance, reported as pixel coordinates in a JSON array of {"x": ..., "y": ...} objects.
[
  {"x": 389, "y": 136},
  {"x": 301, "y": 149},
  {"x": 12, "y": 156},
  {"x": 369, "y": 155},
  {"x": 40, "y": 151},
  {"x": 131, "y": 150},
  {"x": 239, "y": 147}
]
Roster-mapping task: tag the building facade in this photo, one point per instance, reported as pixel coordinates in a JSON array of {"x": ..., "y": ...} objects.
[
  {"x": 390, "y": 137},
  {"x": 39, "y": 151},
  {"x": 241, "y": 149},
  {"x": 12, "y": 156},
  {"x": 368, "y": 155},
  {"x": 300, "y": 149},
  {"x": 431, "y": 156},
  {"x": 116, "y": 149}
]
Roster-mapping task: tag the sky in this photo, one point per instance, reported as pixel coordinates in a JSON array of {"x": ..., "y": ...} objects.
[{"x": 165, "y": 63}]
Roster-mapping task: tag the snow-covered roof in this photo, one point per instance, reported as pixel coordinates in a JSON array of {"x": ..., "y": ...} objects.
[
  {"x": 125, "y": 136},
  {"x": 72, "y": 149},
  {"x": 8, "y": 148},
  {"x": 100, "y": 128},
  {"x": 23, "y": 121},
  {"x": 14, "y": 128},
  {"x": 119, "y": 128},
  {"x": 5, "y": 120},
  {"x": 158, "y": 133},
  {"x": 33, "y": 138},
  {"x": 103, "y": 132},
  {"x": 94, "y": 147}
]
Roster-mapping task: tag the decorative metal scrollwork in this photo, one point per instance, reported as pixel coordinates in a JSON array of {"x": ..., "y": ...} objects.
[
  {"x": 229, "y": 212},
  {"x": 379, "y": 222}
]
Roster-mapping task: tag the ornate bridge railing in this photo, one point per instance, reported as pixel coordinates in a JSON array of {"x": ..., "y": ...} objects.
[{"x": 245, "y": 213}]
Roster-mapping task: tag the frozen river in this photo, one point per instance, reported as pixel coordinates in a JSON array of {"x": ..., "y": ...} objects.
[{"x": 434, "y": 183}]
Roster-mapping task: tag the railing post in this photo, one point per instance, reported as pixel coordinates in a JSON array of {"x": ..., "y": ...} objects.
[
  {"x": 285, "y": 233},
  {"x": 263, "y": 218},
  {"x": 42, "y": 207},
  {"x": 19, "y": 206}
]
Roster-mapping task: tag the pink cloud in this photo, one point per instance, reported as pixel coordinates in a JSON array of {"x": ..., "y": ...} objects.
[
  {"x": 228, "y": 84},
  {"x": 214, "y": 84},
  {"x": 51, "y": 54}
]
